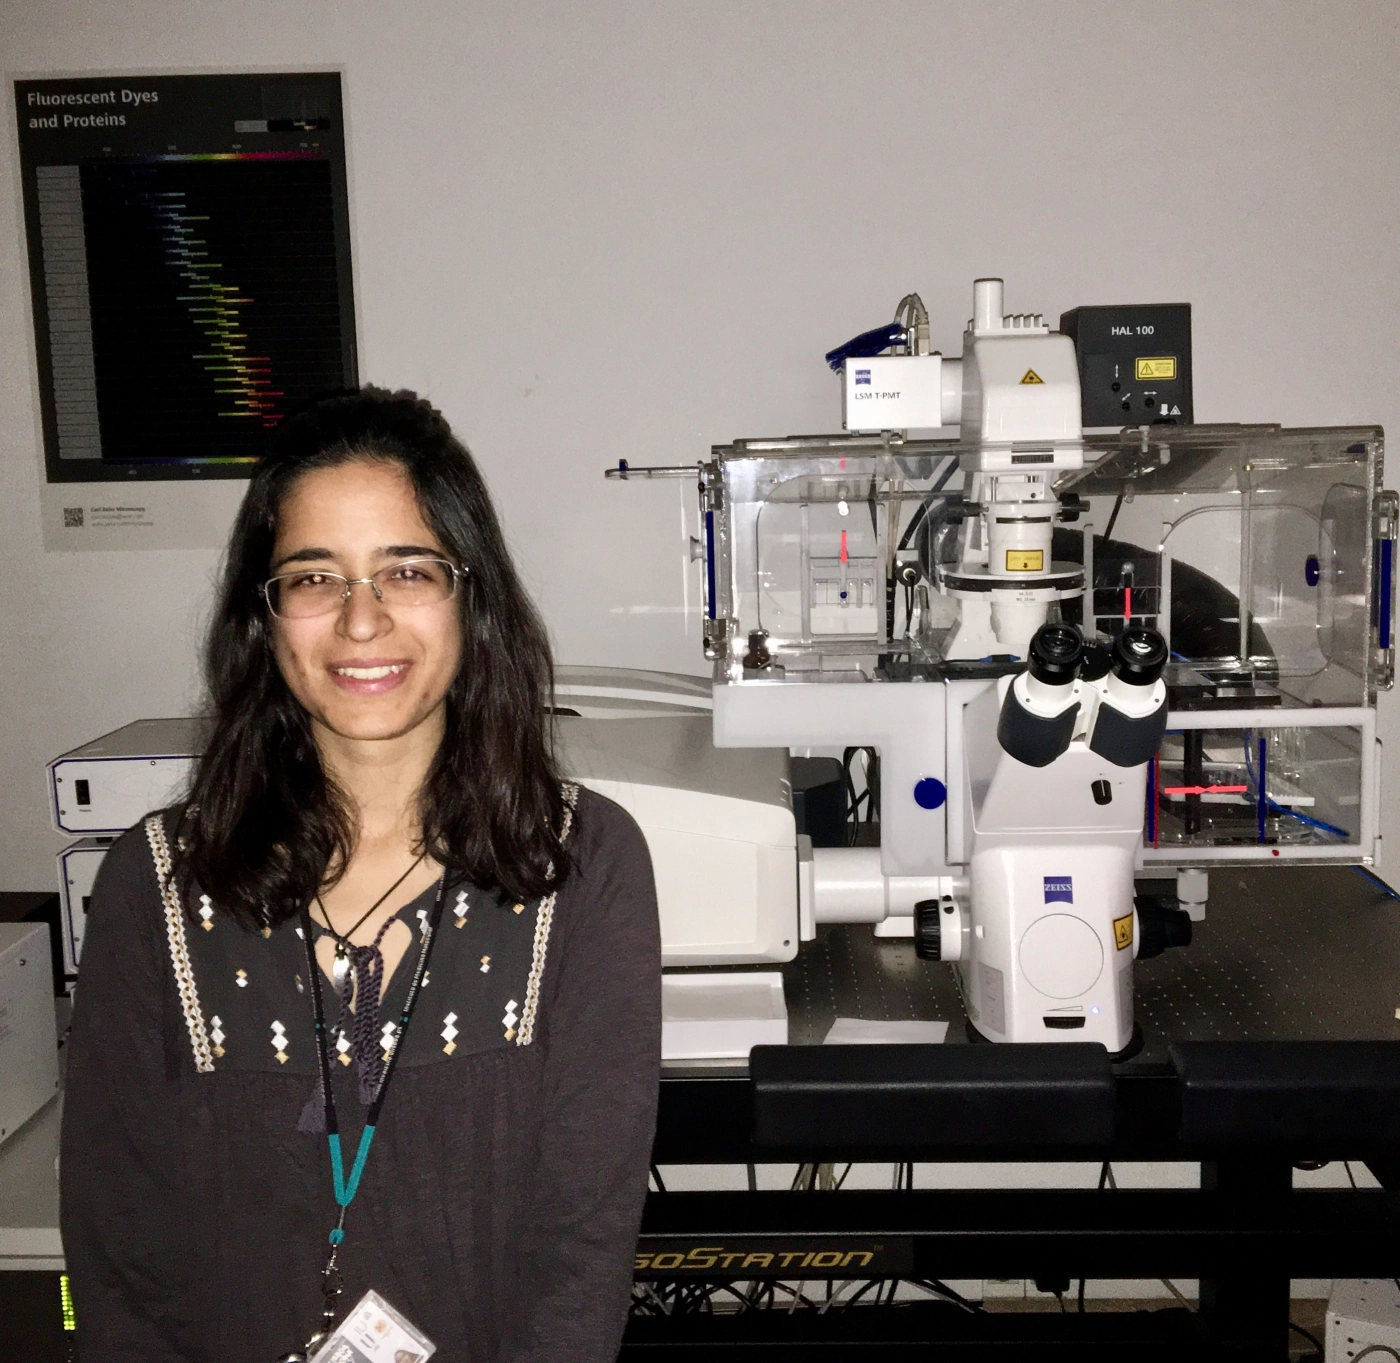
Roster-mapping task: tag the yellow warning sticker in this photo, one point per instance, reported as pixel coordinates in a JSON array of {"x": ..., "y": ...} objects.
[
  {"x": 1156, "y": 367},
  {"x": 1123, "y": 931},
  {"x": 1025, "y": 560},
  {"x": 1030, "y": 376}
]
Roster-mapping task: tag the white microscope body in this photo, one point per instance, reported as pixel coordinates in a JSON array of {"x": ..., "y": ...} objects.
[
  {"x": 1055, "y": 779},
  {"x": 1034, "y": 901},
  {"x": 1020, "y": 408},
  {"x": 1027, "y": 768}
]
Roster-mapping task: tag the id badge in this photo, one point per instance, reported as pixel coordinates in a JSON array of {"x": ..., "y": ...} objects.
[{"x": 375, "y": 1333}]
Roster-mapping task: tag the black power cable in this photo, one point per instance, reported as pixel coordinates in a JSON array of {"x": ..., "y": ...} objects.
[
  {"x": 1113, "y": 517},
  {"x": 1309, "y": 1336}
]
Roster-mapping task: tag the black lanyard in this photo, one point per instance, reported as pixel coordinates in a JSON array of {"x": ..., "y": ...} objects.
[{"x": 345, "y": 1190}]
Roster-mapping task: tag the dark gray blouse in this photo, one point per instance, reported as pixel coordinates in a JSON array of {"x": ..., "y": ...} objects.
[{"x": 500, "y": 1204}]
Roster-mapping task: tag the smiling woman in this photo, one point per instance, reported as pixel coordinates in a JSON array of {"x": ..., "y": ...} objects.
[{"x": 378, "y": 796}]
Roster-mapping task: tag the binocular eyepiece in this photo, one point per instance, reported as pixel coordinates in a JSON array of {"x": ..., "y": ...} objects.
[
  {"x": 1058, "y": 655},
  {"x": 1139, "y": 655},
  {"x": 1040, "y": 709}
]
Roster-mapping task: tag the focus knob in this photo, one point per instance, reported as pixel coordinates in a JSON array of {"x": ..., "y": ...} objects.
[{"x": 928, "y": 931}]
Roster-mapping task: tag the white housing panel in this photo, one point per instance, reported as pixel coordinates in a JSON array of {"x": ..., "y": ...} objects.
[
  {"x": 721, "y": 1016},
  {"x": 1020, "y": 388},
  {"x": 719, "y": 825}
]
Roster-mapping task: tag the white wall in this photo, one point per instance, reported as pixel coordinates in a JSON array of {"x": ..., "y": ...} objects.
[{"x": 603, "y": 229}]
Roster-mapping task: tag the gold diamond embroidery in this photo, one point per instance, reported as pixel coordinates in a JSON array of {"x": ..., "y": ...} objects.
[
  {"x": 342, "y": 1045},
  {"x": 242, "y": 977},
  {"x": 518, "y": 908},
  {"x": 206, "y": 913},
  {"x": 216, "y": 1035},
  {"x": 485, "y": 965},
  {"x": 461, "y": 909},
  {"x": 449, "y": 1033},
  {"x": 279, "y": 1042},
  {"x": 510, "y": 1019}
]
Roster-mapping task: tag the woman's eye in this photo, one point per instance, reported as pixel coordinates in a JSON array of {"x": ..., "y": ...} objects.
[
  {"x": 305, "y": 581},
  {"x": 412, "y": 573}
]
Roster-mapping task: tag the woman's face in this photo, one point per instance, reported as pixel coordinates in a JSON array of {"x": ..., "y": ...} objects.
[{"x": 368, "y": 669}]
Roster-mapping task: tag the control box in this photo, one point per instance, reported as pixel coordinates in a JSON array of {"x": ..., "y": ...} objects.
[
  {"x": 1134, "y": 363},
  {"x": 109, "y": 784},
  {"x": 1363, "y": 1316},
  {"x": 28, "y": 1025}
]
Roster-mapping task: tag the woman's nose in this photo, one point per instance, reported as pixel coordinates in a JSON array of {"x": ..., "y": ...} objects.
[{"x": 362, "y": 613}]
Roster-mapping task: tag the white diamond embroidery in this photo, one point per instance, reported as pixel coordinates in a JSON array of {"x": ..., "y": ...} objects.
[
  {"x": 206, "y": 913},
  {"x": 423, "y": 922},
  {"x": 342, "y": 1044},
  {"x": 279, "y": 1042},
  {"x": 216, "y": 1034},
  {"x": 510, "y": 1019},
  {"x": 461, "y": 909},
  {"x": 388, "y": 1035},
  {"x": 449, "y": 1033}
]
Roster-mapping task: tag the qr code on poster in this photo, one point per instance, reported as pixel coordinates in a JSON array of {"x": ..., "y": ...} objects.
[{"x": 72, "y": 517}]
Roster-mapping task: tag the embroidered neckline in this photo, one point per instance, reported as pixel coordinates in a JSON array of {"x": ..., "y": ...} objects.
[{"x": 205, "y": 1051}]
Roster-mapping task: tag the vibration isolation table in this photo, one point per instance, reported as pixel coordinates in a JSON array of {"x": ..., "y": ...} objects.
[{"x": 1271, "y": 1041}]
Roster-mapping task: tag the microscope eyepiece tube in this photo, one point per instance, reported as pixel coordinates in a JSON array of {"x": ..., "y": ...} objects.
[
  {"x": 1132, "y": 717},
  {"x": 1139, "y": 655},
  {"x": 1056, "y": 652}
]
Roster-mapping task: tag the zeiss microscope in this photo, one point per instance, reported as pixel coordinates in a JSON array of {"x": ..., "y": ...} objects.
[{"x": 1082, "y": 657}]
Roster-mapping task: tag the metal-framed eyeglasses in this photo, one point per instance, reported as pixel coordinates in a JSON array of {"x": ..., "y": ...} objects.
[{"x": 309, "y": 592}]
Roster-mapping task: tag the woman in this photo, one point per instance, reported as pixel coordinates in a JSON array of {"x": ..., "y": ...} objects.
[{"x": 377, "y": 795}]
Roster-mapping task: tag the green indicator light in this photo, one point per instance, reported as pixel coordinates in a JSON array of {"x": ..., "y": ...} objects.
[{"x": 65, "y": 1298}]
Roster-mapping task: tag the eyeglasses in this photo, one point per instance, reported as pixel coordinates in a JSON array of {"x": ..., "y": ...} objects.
[{"x": 313, "y": 591}]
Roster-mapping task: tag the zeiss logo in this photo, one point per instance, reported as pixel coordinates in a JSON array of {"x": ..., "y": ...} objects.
[
  {"x": 1059, "y": 890},
  {"x": 863, "y": 377}
]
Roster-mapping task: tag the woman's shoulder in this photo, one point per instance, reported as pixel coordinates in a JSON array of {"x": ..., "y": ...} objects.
[
  {"x": 130, "y": 860},
  {"x": 609, "y": 921},
  {"x": 603, "y": 829},
  {"x": 135, "y": 862}
]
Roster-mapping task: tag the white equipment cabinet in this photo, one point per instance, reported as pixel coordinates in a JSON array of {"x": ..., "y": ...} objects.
[
  {"x": 107, "y": 785},
  {"x": 28, "y": 1029}
]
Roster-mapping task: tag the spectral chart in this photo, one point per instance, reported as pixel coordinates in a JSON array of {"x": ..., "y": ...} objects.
[{"x": 189, "y": 252}]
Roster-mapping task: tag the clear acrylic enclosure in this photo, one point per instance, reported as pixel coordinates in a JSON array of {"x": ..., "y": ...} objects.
[
  {"x": 1263, "y": 554},
  {"x": 1290, "y": 787}
]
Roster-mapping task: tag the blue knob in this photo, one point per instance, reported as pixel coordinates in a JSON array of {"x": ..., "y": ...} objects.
[{"x": 930, "y": 793}]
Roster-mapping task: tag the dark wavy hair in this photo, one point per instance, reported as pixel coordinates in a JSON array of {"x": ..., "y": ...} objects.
[{"x": 265, "y": 825}]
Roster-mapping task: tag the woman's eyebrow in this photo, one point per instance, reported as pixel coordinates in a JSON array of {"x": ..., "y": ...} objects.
[
  {"x": 410, "y": 551},
  {"x": 315, "y": 555},
  {"x": 302, "y": 556}
]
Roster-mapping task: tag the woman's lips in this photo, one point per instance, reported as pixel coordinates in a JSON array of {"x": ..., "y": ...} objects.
[{"x": 369, "y": 676}]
